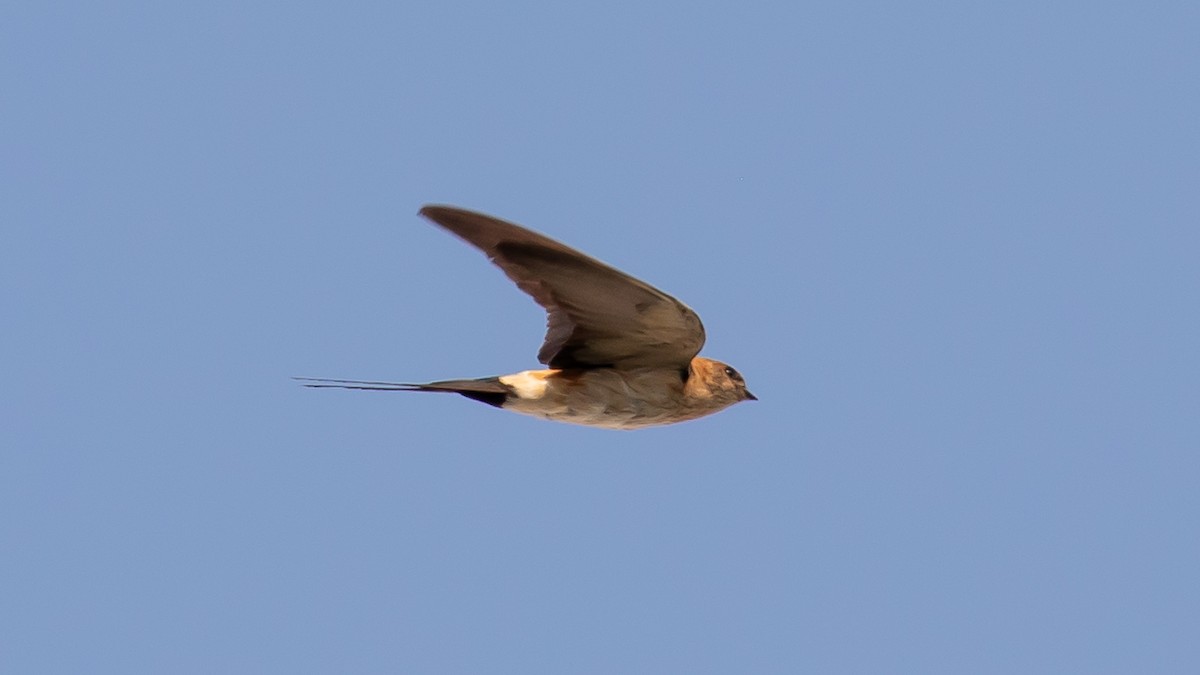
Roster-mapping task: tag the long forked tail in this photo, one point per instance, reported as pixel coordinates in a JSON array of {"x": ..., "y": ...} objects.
[
  {"x": 487, "y": 390},
  {"x": 323, "y": 383}
]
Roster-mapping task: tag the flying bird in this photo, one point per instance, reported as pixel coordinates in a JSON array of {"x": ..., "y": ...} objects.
[{"x": 621, "y": 354}]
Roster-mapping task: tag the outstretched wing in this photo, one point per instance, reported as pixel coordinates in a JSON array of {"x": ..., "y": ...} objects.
[{"x": 597, "y": 316}]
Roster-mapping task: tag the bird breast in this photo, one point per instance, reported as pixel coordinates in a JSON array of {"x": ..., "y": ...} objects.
[{"x": 604, "y": 397}]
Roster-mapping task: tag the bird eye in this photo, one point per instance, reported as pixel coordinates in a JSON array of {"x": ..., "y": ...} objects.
[{"x": 733, "y": 374}]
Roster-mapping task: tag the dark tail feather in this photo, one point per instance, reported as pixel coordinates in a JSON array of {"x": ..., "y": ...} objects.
[
  {"x": 487, "y": 390},
  {"x": 321, "y": 383}
]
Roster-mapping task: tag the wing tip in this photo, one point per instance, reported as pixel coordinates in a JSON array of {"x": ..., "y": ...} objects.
[{"x": 439, "y": 212}]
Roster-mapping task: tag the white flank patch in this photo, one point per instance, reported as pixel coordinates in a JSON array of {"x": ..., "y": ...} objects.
[{"x": 526, "y": 384}]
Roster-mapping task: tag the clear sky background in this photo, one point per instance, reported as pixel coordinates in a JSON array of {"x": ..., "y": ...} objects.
[{"x": 952, "y": 246}]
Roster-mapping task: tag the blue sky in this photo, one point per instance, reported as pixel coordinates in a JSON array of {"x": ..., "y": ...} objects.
[{"x": 952, "y": 247}]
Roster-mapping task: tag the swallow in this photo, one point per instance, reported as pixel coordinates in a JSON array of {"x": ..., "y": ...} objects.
[{"x": 620, "y": 354}]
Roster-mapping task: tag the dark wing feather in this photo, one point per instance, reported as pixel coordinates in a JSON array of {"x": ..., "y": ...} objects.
[{"x": 596, "y": 315}]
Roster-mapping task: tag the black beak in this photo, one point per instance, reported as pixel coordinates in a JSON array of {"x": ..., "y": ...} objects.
[{"x": 750, "y": 397}]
